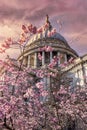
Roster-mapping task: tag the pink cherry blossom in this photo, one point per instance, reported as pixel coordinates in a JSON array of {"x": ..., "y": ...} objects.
[
  {"x": 40, "y": 30},
  {"x": 29, "y": 101},
  {"x": 39, "y": 56}
]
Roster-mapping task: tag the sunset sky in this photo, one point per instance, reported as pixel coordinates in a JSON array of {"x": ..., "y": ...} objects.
[{"x": 71, "y": 13}]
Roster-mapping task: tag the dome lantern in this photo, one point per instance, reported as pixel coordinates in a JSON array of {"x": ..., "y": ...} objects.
[{"x": 48, "y": 22}]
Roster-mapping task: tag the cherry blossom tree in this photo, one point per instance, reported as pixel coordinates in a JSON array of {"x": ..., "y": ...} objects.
[{"x": 28, "y": 103}]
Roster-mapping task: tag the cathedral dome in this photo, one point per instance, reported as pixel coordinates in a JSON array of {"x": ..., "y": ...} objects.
[
  {"x": 59, "y": 36},
  {"x": 46, "y": 36},
  {"x": 47, "y": 32}
]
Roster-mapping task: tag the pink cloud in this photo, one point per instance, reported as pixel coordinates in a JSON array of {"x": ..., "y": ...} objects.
[{"x": 73, "y": 15}]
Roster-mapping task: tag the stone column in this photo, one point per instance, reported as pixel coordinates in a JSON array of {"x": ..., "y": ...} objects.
[
  {"x": 78, "y": 76},
  {"x": 25, "y": 60},
  {"x": 43, "y": 58},
  {"x": 50, "y": 56},
  {"x": 65, "y": 58},
  {"x": 58, "y": 54},
  {"x": 35, "y": 60},
  {"x": 28, "y": 65},
  {"x": 84, "y": 72}
]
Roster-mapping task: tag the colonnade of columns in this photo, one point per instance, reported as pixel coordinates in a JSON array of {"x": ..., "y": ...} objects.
[{"x": 43, "y": 59}]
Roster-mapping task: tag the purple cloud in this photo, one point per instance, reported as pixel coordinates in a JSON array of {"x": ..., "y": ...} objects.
[{"x": 73, "y": 15}]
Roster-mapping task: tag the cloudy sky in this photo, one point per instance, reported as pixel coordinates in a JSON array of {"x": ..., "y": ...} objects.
[{"x": 71, "y": 13}]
